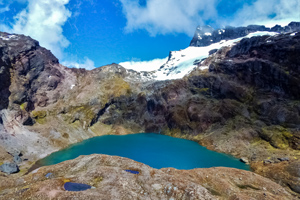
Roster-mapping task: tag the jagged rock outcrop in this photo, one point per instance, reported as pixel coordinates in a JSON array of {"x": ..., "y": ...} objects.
[
  {"x": 31, "y": 66},
  {"x": 110, "y": 180},
  {"x": 206, "y": 35}
]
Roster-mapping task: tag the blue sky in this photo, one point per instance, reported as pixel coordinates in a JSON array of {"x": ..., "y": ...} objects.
[{"x": 90, "y": 33}]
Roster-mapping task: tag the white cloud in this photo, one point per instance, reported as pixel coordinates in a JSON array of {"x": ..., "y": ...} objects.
[
  {"x": 43, "y": 21},
  {"x": 167, "y": 16},
  {"x": 269, "y": 12},
  {"x": 182, "y": 16},
  {"x": 144, "y": 65},
  {"x": 86, "y": 63}
]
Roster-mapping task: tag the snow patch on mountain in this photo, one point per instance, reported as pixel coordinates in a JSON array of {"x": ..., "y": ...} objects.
[
  {"x": 182, "y": 62},
  {"x": 144, "y": 65},
  {"x": 8, "y": 37}
]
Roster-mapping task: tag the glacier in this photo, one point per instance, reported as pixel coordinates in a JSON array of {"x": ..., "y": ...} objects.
[{"x": 182, "y": 62}]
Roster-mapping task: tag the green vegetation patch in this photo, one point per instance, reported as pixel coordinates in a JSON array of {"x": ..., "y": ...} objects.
[
  {"x": 277, "y": 136},
  {"x": 39, "y": 116},
  {"x": 23, "y": 106}
]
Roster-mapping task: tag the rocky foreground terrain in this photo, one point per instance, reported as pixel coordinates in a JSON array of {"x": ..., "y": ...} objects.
[
  {"x": 247, "y": 104},
  {"x": 109, "y": 179}
]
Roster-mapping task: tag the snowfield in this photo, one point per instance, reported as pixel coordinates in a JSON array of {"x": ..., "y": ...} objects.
[{"x": 183, "y": 61}]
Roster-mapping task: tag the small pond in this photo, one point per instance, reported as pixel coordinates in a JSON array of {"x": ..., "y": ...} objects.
[{"x": 155, "y": 150}]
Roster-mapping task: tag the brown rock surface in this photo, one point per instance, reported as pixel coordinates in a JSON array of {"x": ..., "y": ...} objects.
[
  {"x": 287, "y": 172},
  {"x": 110, "y": 181}
]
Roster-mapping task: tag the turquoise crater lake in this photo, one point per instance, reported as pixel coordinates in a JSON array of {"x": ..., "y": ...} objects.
[{"x": 155, "y": 150}]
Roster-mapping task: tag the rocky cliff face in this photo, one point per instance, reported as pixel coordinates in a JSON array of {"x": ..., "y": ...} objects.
[{"x": 245, "y": 104}]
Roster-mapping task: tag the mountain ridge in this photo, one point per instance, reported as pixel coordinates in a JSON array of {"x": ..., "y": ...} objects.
[
  {"x": 207, "y": 35},
  {"x": 205, "y": 41}
]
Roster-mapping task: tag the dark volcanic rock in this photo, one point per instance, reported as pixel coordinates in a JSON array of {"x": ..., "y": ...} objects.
[
  {"x": 5, "y": 79},
  {"x": 28, "y": 122},
  {"x": 269, "y": 63},
  {"x": 212, "y": 51}
]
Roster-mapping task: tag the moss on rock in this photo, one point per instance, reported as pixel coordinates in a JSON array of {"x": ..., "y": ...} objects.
[
  {"x": 39, "y": 116},
  {"x": 277, "y": 136}
]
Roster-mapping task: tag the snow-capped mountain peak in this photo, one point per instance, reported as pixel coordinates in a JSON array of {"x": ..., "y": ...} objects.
[{"x": 179, "y": 63}]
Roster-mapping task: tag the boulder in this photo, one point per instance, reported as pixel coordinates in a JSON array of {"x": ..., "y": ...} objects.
[
  {"x": 283, "y": 159},
  {"x": 9, "y": 168},
  {"x": 17, "y": 159},
  {"x": 268, "y": 162},
  {"x": 244, "y": 160}
]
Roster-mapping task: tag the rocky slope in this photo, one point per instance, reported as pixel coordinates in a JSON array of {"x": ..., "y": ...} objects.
[
  {"x": 43, "y": 101},
  {"x": 245, "y": 104},
  {"x": 107, "y": 176}
]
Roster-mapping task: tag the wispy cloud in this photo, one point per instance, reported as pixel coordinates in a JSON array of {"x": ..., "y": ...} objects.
[
  {"x": 269, "y": 12},
  {"x": 43, "y": 21},
  {"x": 4, "y": 9},
  {"x": 182, "y": 16},
  {"x": 86, "y": 63},
  {"x": 167, "y": 16},
  {"x": 144, "y": 65},
  {"x": 4, "y": 5}
]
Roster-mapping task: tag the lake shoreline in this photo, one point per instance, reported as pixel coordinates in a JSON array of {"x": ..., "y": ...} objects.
[{"x": 157, "y": 145}]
